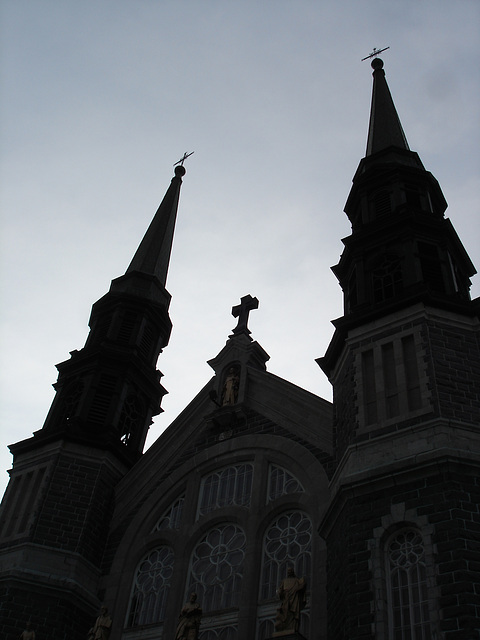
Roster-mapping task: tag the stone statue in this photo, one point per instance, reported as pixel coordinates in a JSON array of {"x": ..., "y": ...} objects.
[
  {"x": 292, "y": 600},
  {"x": 103, "y": 626},
  {"x": 189, "y": 620},
  {"x": 230, "y": 388},
  {"x": 28, "y": 634}
]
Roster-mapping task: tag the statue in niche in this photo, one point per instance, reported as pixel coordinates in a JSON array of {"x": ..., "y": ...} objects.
[
  {"x": 291, "y": 593},
  {"x": 189, "y": 620},
  {"x": 230, "y": 387},
  {"x": 103, "y": 626},
  {"x": 28, "y": 633}
]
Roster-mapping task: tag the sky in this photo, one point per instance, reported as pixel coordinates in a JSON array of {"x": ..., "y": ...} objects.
[{"x": 100, "y": 98}]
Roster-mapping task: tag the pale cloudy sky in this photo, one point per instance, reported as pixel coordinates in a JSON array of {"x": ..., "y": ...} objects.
[{"x": 99, "y": 98}]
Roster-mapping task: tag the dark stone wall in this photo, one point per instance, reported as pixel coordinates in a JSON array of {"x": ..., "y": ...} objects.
[
  {"x": 77, "y": 508},
  {"x": 449, "y": 500},
  {"x": 453, "y": 357},
  {"x": 52, "y": 615}
]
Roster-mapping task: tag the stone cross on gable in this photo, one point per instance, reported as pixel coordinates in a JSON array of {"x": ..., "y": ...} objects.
[{"x": 242, "y": 311}]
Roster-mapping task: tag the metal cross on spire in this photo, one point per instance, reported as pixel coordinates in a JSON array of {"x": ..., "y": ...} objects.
[
  {"x": 185, "y": 156},
  {"x": 374, "y": 53},
  {"x": 242, "y": 311}
]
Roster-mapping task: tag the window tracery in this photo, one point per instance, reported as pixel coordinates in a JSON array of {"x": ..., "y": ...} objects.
[
  {"x": 287, "y": 543},
  {"x": 216, "y": 568},
  {"x": 229, "y": 486},
  {"x": 150, "y": 588},
  {"x": 281, "y": 482},
  {"x": 407, "y": 587},
  {"x": 171, "y": 517}
]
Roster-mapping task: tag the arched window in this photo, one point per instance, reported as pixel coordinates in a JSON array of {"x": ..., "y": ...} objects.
[
  {"x": 216, "y": 568},
  {"x": 281, "y": 482},
  {"x": 151, "y": 587},
  {"x": 287, "y": 543},
  {"x": 407, "y": 587},
  {"x": 229, "y": 486}
]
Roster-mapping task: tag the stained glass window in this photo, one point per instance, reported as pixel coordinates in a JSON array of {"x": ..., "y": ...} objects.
[
  {"x": 229, "y": 486},
  {"x": 216, "y": 568},
  {"x": 151, "y": 587},
  {"x": 281, "y": 482},
  {"x": 407, "y": 581},
  {"x": 287, "y": 543}
]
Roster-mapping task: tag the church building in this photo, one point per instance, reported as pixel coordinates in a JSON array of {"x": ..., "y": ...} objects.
[{"x": 367, "y": 505}]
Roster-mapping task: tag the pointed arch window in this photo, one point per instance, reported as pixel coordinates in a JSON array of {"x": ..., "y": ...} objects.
[
  {"x": 216, "y": 567},
  {"x": 151, "y": 587},
  {"x": 287, "y": 543},
  {"x": 408, "y": 605}
]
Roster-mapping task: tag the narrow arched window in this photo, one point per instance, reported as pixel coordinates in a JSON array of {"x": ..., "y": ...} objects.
[
  {"x": 150, "y": 587},
  {"x": 216, "y": 568},
  {"x": 287, "y": 543},
  {"x": 407, "y": 587}
]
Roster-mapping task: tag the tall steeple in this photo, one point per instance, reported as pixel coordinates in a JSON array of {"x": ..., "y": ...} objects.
[
  {"x": 108, "y": 391},
  {"x": 153, "y": 254},
  {"x": 385, "y": 129},
  {"x": 401, "y": 245}
]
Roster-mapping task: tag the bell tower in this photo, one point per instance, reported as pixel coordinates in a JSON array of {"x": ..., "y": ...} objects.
[
  {"x": 57, "y": 507},
  {"x": 403, "y": 363}
]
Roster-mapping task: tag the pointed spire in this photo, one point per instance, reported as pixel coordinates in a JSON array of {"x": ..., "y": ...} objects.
[
  {"x": 385, "y": 129},
  {"x": 153, "y": 254}
]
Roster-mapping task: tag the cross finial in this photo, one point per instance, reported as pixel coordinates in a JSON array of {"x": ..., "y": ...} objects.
[
  {"x": 185, "y": 156},
  {"x": 242, "y": 311},
  {"x": 374, "y": 53}
]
